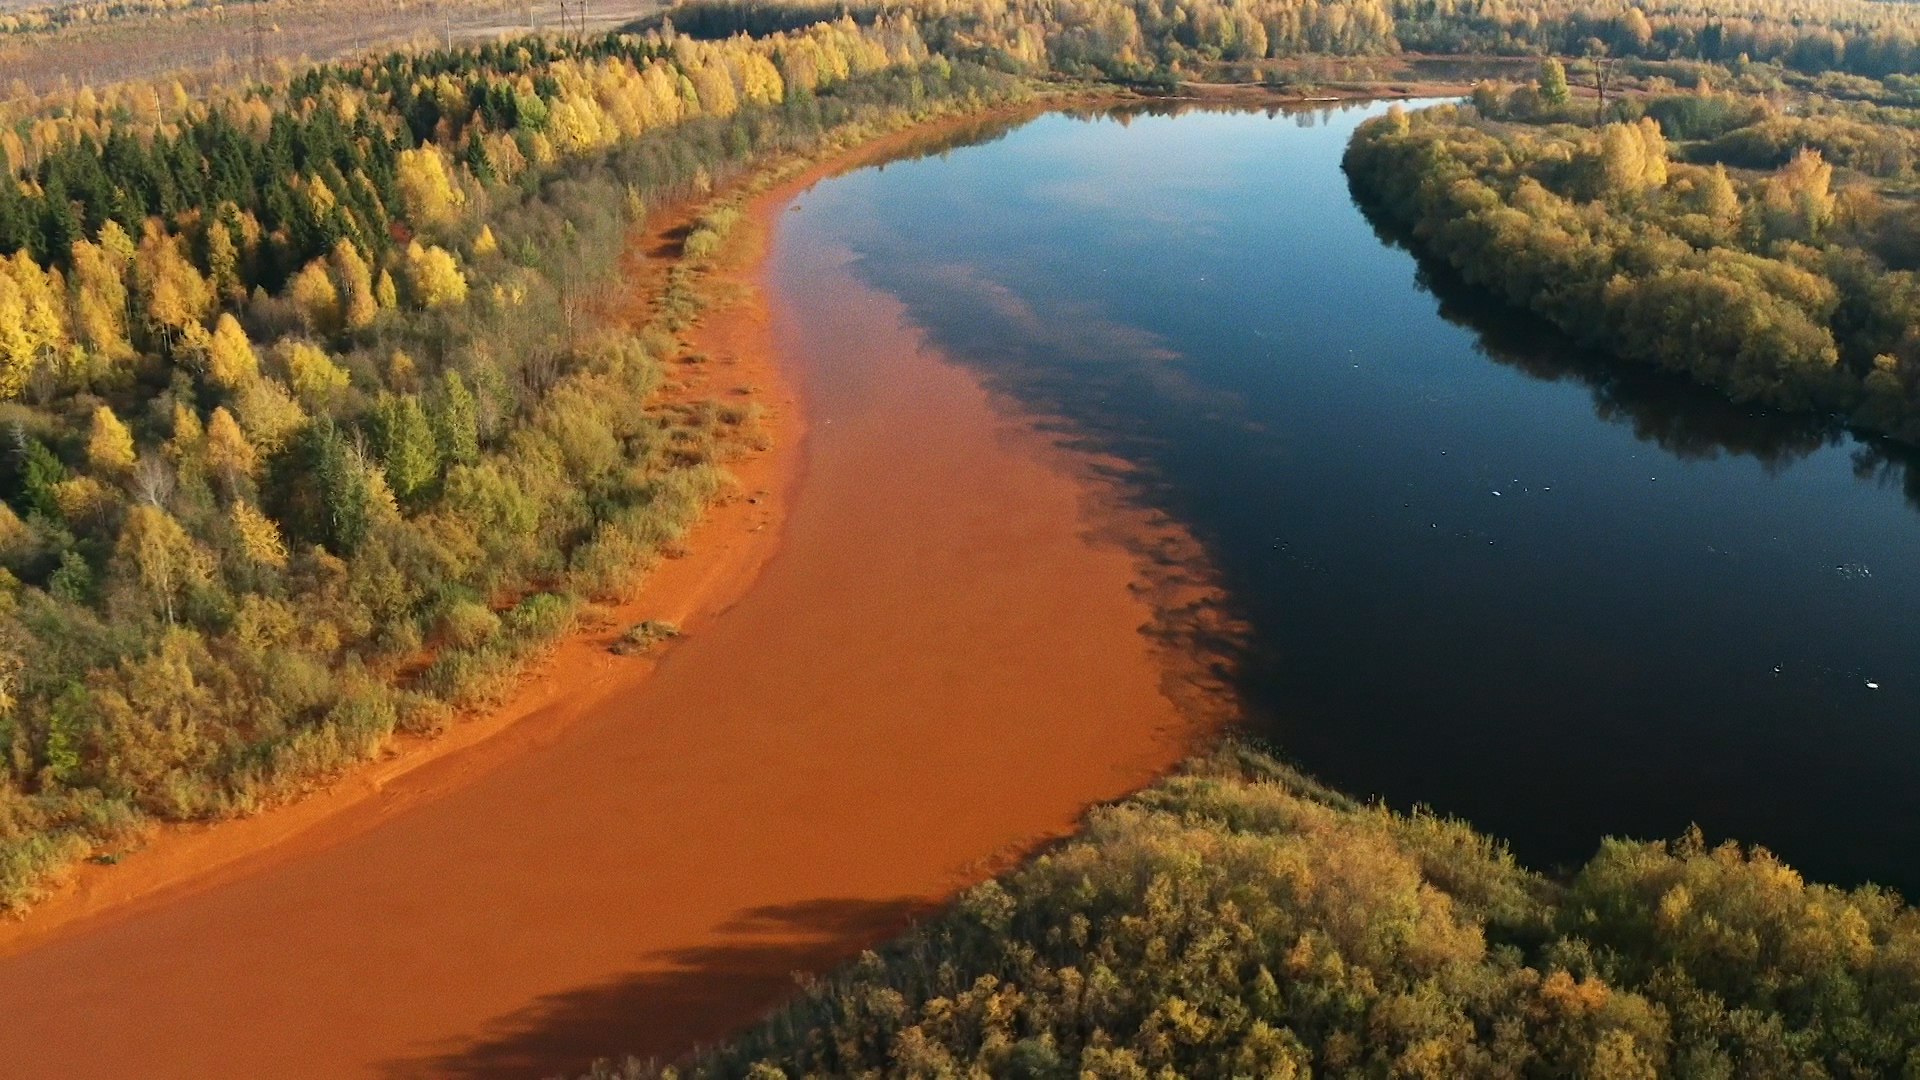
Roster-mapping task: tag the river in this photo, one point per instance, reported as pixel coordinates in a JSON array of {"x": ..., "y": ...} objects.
[
  {"x": 1059, "y": 383},
  {"x": 1481, "y": 570},
  {"x": 911, "y": 652}
]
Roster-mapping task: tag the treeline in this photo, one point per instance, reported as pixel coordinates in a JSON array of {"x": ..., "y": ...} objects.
[
  {"x": 1132, "y": 39},
  {"x": 1125, "y": 40},
  {"x": 1863, "y": 37},
  {"x": 1241, "y": 921},
  {"x": 309, "y": 428},
  {"x": 344, "y": 151},
  {"x": 1143, "y": 39},
  {"x": 1767, "y": 280}
]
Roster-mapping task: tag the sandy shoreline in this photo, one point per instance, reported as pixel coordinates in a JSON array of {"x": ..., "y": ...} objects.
[{"x": 727, "y": 548}]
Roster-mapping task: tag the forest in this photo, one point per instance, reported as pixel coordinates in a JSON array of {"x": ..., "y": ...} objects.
[
  {"x": 1766, "y": 252},
  {"x": 1135, "y": 39},
  {"x": 316, "y": 430},
  {"x": 317, "y": 427},
  {"x": 1240, "y": 920}
]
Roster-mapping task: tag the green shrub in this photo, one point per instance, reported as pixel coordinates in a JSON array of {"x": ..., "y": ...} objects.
[
  {"x": 641, "y": 637},
  {"x": 609, "y": 567},
  {"x": 541, "y": 617},
  {"x": 467, "y": 624},
  {"x": 470, "y": 678},
  {"x": 31, "y": 865}
]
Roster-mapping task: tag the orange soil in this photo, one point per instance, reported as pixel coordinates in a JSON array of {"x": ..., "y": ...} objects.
[{"x": 943, "y": 661}]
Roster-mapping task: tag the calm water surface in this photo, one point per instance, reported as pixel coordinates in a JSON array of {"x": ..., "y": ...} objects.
[{"x": 1483, "y": 571}]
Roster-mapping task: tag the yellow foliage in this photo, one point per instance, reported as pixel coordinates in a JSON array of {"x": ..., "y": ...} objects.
[
  {"x": 315, "y": 378},
  {"x": 33, "y": 325},
  {"x": 46, "y": 315},
  {"x": 256, "y": 535},
  {"x": 12, "y": 529},
  {"x": 109, "y": 443},
  {"x": 359, "y": 306},
  {"x": 384, "y": 293},
  {"x": 504, "y": 153},
  {"x": 575, "y": 125},
  {"x": 116, "y": 243},
  {"x": 19, "y": 353},
  {"x": 231, "y": 361},
  {"x": 431, "y": 198},
  {"x": 81, "y": 498},
  {"x": 228, "y": 450},
  {"x": 402, "y": 372},
  {"x": 263, "y": 622},
  {"x": 759, "y": 79},
  {"x": 187, "y": 431},
  {"x": 1800, "y": 195},
  {"x": 223, "y": 261},
  {"x": 313, "y": 292},
  {"x": 715, "y": 89},
  {"x": 1616, "y": 1056},
  {"x": 541, "y": 148},
  {"x": 321, "y": 198},
  {"x": 98, "y": 289},
  {"x": 433, "y": 277},
  {"x": 163, "y": 559},
  {"x": 175, "y": 293},
  {"x": 268, "y": 414},
  {"x": 1633, "y": 157},
  {"x": 1561, "y": 995}
]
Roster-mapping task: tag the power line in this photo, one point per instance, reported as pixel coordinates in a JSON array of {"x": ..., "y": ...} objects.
[{"x": 256, "y": 38}]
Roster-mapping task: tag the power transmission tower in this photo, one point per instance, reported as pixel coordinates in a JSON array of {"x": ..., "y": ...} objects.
[
  {"x": 257, "y": 39},
  {"x": 1602, "y": 75}
]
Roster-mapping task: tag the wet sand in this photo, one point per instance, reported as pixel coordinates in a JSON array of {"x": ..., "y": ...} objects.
[{"x": 939, "y": 665}]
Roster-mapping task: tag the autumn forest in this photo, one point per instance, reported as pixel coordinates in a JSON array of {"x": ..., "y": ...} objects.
[{"x": 320, "y": 422}]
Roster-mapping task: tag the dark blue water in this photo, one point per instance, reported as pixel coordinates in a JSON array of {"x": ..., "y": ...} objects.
[{"x": 1482, "y": 570}]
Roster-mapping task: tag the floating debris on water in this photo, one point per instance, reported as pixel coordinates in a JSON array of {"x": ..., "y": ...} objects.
[{"x": 1853, "y": 570}]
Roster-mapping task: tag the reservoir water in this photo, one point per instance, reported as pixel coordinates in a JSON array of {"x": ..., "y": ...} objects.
[{"x": 1479, "y": 570}]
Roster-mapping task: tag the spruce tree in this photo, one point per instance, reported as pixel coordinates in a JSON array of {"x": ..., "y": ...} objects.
[
  {"x": 456, "y": 420},
  {"x": 59, "y": 225},
  {"x": 409, "y": 452},
  {"x": 1553, "y": 83}
]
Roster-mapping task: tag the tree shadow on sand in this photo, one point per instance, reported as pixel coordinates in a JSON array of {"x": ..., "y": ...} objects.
[{"x": 686, "y": 998}]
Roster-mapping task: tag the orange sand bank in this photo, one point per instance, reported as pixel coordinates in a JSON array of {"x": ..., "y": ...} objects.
[{"x": 938, "y": 666}]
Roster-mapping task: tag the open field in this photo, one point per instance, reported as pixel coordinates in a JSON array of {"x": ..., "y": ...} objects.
[{"x": 226, "y": 42}]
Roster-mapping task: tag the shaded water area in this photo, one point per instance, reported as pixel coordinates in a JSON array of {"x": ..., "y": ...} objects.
[{"x": 1482, "y": 570}]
